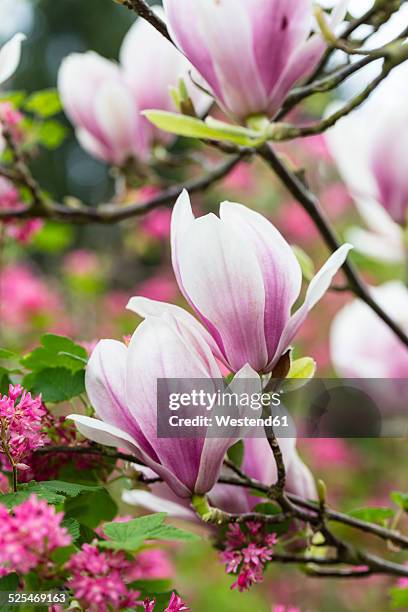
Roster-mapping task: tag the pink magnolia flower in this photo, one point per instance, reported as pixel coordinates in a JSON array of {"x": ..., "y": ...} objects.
[
  {"x": 249, "y": 53},
  {"x": 362, "y": 346},
  {"x": 358, "y": 143},
  {"x": 243, "y": 296},
  {"x": 121, "y": 382},
  {"x": 98, "y": 579},
  {"x": 29, "y": 534},
  {"x": 10, "y": 55},
  {"x": 104, "y": 99},
  {"x": 21, "y": 425},
  {"x": 258, "y": 463}
]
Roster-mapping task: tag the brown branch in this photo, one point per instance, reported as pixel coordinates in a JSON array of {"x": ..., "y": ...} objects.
[
  {"x": 114, "y": 213},
  {"x": 312, "y": 206},
  {"x": 144, "y": 11}
]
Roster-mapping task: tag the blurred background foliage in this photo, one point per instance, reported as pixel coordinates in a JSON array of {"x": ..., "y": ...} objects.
[{"x": 77, "y": 280}]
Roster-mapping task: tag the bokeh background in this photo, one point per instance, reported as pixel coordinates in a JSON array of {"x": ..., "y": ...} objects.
[{"x": 77, "y": 280}]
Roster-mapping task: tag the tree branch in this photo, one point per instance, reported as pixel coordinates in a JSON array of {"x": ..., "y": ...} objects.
[
  {"x": 312, "y": 206},
  {"x": 113, "y": 213},
  {"x": 144, "y": 11}
]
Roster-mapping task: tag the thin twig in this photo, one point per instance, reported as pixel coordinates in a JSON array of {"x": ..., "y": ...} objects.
[
  {"x": 312, "y": 206},
  {"x": 144, "y": 11}
]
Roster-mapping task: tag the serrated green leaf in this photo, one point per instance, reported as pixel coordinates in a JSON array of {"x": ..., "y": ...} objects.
[
  {"x": 73, "y": 528},
  {"x": 56, "y": 351},
  {"x": 401, "y": 499},
  {"x": 372, "y": 515},
  {"x": 53, "y": 491},
  {"x": 58, "y": 384},
  {"x": 135, "y": 528},
  {"x": 172, "y": 533},
  {"x": 190, "y": 127},
  {"x": 45, "y": 103}
]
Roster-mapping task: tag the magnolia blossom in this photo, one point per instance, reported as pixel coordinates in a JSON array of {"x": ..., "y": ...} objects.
[
  {"x": 258, "y": 463},
  {"x": 363, "y": 346},
  {"x": 121, "y": 382},
  {"x": 10, "y": 55},
  {"x": 242, "y": 279},
  {"x": 104, "y": 99},
  {"x": 250, "y": 53},
  {"x": 370, "y": 148}
]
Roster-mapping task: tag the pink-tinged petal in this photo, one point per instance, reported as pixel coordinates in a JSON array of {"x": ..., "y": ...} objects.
[
  {"x": 145, "y": 51},
  {"x": 10, "y": 55},
  {"x": 317, "y": 288},
  {"x": 105, "y": 382},
  {"x": 200, "y": 31},
  {"x": 281, "y": 272},
  {"x": 144, "y": 307},
  {"x": 158, "y": 351},
  {"x": 79, "y": 78},
  {"x": 182, "y": 220},
  {"x": 299, "y": 479},
  {"x": 103, "y": 433},
  {"x": 362, "y": 346},
  {"x": 377, "y": 246},
  {"x": 214, "y": 449},
  {"x": 92, "y": 145},
  {"x": 224, "y": 284},
  {"x": 157, "y": 501},
  {"x": 280, "y": 27},
  {"x": 108, "y": 435},
  {"x": 118, "y": 117}
]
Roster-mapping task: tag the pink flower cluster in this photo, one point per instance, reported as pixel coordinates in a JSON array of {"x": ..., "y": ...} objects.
[
  {"x": 248, "y": 548},
  {"x": 21, "y": 422},
  {"x": 99, "y": 579},
  {"x": 28, "y": 535},
  {"x": 10, "y": 199},
  {"x": 176, "y": 604}
]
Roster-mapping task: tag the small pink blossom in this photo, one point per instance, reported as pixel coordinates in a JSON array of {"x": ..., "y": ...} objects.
[
  {"x": 98, "y": 579},
  {"x": 81, "y": 263},
  {"x": 176, "y": 604},
  {"x": 283, "y": 608},
  {"x": 160, "y": 287},
  {"x": 157, "y": 224},
  {"x": 248, "y": 548},
  {"x": 21, "y": 423},
  {"x": 10, "y": 199},
  {"x": 29, "y": 534}
]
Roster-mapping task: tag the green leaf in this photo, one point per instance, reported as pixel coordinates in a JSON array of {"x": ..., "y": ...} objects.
[
  {"x": 53, "y": 237},
  {"x": 73, "y": 528},
  {"x": 210, "y": 129},
  {"x": 305, "y": 262},
  {"x": 401, "y": 499},
  {"x": 5, "y": 354},
  {"x": 91, "y": 508},
  {"x": 16, "y": 98},
  {"x": 45, "y": 103},
  {"x": 399, "y": 598},
  {"x": 171, "y": 533},
  {"x": 51, "y": 134},
  {"x": 303, "y": 368},
  {"x": 53, "y": 491},
  {"x": 372, "y": 515},
  {"x": 9, "y": 582},
  {"x": 56, "y": 351},
  {"x": 4, "y": 381},
  {"x": 57, "y": 384},
  {"x": 130, "y": 536}
]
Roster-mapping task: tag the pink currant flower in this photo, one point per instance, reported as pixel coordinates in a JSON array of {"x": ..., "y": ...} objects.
[
  {"x": 98, "y": 579},
  {"x": 29, "y": 534},
  {"x": 21, "y": 424},
  {"x": 176, "y": 604}
]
